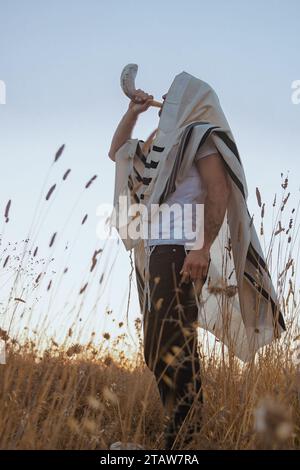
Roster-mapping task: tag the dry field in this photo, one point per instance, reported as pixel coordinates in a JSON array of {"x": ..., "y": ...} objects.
[
  {"x": 88, "y": 395},
  {"x": 59, "y": 401}
]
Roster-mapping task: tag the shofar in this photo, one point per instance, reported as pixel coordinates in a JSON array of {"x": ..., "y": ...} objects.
[{"x": 127, "y": 80}]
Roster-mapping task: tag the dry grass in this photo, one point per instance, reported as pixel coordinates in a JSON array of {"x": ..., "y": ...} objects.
[
  {"x": 61, "y": 400},
  {"x": 77, "y": 394}
]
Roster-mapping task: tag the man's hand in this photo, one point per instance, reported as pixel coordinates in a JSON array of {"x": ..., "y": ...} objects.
[
  {"x": 141, "y": 102},
  {"x": 195, "y": 265}
]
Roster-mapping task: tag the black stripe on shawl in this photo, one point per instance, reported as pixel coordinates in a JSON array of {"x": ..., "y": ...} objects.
[
  {"x": 170, "y": 185},
  {"x": 235, "y": 178},
  {"x": 144, "y": 180},
  {"x": 147, "y": 181},
  {"x": 138, "y": 176},
  {"x": 130, "y": 186},
  {"x": 207, "y": 133},
  {"x": 256, "y": 259},
  {"x": 277, "y": 316},
  {"x": 139, "y": 150},
  {"x": 158, "y": 149},
  {"x": 230, "y": 144},
  {"x": 151, "y": 164}
]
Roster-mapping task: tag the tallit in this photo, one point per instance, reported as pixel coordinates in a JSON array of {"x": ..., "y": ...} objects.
[{"x": 238, "y": 303}]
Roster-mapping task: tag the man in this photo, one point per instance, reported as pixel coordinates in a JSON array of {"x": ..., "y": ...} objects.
[
  {"x": 193, "y": 160},
  {"x": 170, "y": 336}
]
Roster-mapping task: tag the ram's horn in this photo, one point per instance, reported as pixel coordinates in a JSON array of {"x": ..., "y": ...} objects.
[
  {"x": 128, "y": 76},
  {"x": 127, "y": 81}
]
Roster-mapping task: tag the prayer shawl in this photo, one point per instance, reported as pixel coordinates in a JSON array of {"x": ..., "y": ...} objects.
[{"x": 238, "y": 303}]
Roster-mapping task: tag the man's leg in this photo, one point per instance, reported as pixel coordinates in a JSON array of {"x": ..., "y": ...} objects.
[{"x": 170, "y": 336}]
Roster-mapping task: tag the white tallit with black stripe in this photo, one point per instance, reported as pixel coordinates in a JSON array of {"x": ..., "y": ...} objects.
[{"x": 238, "y": 303}]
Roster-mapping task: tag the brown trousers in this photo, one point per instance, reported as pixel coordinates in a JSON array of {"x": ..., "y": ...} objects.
[{"x": 170, "y": 336}]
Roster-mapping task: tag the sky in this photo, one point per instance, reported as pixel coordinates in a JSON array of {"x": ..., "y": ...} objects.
[{"x": 61, "y": 63}]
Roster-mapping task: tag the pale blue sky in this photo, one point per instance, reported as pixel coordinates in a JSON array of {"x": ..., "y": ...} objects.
[{"x": 61, "y": 62}]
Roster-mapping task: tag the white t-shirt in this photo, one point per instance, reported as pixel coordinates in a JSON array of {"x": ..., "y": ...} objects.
[{"x": 178, "y": 225}]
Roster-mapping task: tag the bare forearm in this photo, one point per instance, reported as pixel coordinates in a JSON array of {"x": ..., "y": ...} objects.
[
  {"x": 123, "y": 132},
  {"x": 217, "y": 192},
  {"x": 214, "y": 212}
]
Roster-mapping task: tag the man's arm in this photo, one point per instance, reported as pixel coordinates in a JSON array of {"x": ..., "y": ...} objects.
[
  {"x": 128, "y": 121},
  {"x": 215, "y": 180},
  {"x": 122, "y": 133},
  {"x": 216, "y": 184}
]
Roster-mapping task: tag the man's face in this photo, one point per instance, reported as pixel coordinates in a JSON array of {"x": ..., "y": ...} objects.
[{"x": 163, "y": 97}]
